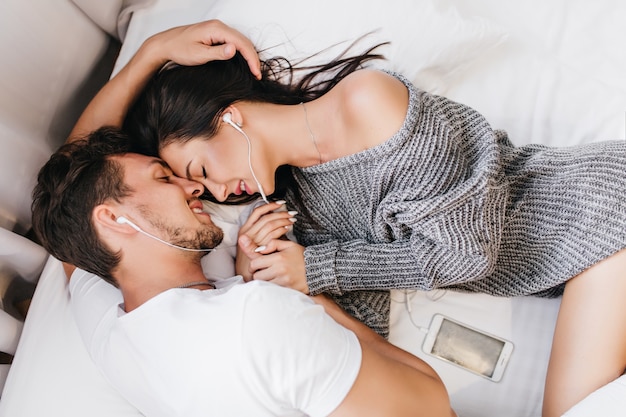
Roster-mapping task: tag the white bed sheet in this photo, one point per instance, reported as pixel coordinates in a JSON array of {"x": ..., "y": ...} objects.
[
  {"x": 547, "y": 72},
  {"x": 528, "y": 322}
]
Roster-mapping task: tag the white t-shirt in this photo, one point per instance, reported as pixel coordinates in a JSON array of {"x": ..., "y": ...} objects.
[{"x": 253, "y": 349}]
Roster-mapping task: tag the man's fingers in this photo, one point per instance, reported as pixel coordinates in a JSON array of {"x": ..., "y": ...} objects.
[
  {"x": 218, "y": 41},
  {"x": 228, "y": 51},
  {"x": 248, "y": 247}
]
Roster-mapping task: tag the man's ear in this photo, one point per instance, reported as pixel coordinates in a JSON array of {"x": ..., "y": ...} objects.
[{"x": 105, "y": 219}]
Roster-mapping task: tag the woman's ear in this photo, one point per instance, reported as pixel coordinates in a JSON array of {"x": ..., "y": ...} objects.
[{"x": 232, "y": 115}]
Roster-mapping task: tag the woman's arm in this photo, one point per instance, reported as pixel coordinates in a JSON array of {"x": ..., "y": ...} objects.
[{"x": 186, "y": 45}]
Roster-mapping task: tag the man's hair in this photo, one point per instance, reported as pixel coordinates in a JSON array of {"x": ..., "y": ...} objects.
[{"x": 77, "y": 178}]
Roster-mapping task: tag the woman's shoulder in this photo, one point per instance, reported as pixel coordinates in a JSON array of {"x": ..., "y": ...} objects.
[
  {"x": 374, "y": 102},
  {"x": 362, "y": 86}
]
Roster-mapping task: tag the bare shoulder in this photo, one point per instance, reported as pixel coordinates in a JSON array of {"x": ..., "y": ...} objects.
[{"x": 374, "y": 104}]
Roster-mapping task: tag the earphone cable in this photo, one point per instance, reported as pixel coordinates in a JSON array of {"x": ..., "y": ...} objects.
[{"x": 250, "y": 165}]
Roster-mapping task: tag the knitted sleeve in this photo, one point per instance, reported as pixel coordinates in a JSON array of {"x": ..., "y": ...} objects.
[
  {"x": 459, "y": 244},
  {"x": 439, "y": 218}
]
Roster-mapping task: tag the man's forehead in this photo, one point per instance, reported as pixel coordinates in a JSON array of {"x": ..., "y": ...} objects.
[{"x": 138, "y": 160}]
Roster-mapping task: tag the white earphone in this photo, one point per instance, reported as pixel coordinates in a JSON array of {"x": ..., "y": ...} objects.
[
  {"x": 124, "y": 220},
  {"x": 228, "y": 119}
]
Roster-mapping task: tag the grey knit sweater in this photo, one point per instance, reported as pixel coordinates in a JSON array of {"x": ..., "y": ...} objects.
[{"x": 448, "y": 202}]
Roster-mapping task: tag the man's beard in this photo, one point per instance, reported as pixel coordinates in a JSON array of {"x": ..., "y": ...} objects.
[{"x": 205, "y": 236}]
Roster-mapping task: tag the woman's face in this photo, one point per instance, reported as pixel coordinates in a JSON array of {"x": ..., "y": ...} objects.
[{"x": 219, "y": 163}]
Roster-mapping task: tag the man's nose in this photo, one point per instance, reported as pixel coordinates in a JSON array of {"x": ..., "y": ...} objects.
[{"x": 193, "y": 188}]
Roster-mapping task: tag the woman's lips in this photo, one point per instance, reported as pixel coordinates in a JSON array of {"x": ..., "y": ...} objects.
[{"x": 243, "y": 188}]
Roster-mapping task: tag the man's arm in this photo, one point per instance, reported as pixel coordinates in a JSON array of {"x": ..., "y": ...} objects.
[
  {"x": 391, "y": 381},
  {"x": 186, "y": 45}
]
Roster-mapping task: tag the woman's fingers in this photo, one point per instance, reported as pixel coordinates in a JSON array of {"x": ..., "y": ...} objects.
[
  {"x": 285, "y": 266},
  {"x": 273, "y": 229},
  {"x": 266, "y": 225},
  {"x": 261, "y": 211}
]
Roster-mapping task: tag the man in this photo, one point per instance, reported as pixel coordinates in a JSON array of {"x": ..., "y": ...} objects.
[{"x": 176, "y": 346}]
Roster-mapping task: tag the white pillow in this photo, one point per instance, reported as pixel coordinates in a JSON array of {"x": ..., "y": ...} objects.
[
  {"x": 425, "y": 38},
  {"x": 428, "y": 41}
]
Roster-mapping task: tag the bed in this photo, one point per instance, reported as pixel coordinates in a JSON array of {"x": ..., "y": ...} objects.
[{"x": 550, "y": 72}]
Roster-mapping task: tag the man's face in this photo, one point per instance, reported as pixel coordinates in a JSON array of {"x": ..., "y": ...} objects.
[{"x": 165, "y": 205}]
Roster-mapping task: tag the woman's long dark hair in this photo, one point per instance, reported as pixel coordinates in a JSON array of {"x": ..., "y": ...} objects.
[{"x": 181, "y": 103}]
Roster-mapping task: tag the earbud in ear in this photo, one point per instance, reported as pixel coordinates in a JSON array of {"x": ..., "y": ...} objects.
[
  {"x": 124, "y": 220},
  {"x": 228, "y": 118}
]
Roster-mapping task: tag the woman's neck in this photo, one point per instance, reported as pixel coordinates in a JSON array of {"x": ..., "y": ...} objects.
[{"x": 288, "y": 132}]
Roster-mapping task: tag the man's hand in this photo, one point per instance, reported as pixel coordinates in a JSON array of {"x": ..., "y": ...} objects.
[
  {"x": 265, "y": 224},
  {"x": 185, "y": 45},
  {"x": 284, "y": 267},
  {"x": 202, "y": 42}
]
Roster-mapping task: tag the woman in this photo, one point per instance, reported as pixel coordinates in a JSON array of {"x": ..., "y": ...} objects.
[{"x": 397, "y": 188}]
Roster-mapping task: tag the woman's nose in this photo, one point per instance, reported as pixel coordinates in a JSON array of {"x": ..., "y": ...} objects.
[{"x": 218, "y": 191}]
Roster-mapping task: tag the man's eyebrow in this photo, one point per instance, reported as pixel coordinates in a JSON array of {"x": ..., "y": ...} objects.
[
  {"x": 160, "y": 162},
  {"x": 187, "y": 171}
]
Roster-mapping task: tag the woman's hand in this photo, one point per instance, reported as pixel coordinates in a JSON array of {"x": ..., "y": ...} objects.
[
  {"x": 268, "y": 222},
  {"x": 284, "y": 267},
  {"x": 265, "y": 223}
]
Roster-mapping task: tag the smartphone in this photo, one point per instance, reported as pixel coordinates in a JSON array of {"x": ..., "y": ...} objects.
[{"x": 467, "y": 347}]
